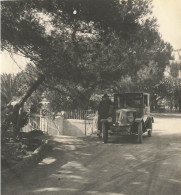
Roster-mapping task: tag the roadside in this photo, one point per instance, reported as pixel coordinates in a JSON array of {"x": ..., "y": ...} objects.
[
  {"x": 16, "y": 156},
  {"x": 86, "y": 166}
]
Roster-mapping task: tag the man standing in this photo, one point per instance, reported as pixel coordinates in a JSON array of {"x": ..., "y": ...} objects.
[{"x": 104, "y": 110}]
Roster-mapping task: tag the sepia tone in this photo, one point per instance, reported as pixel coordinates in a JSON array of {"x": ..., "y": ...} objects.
[{"x": 57, "y": 137}]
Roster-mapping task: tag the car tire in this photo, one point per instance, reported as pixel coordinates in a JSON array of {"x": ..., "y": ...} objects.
[
  {"x": 140, "y": 133},
  {"x": 104, "y": 133},
  {"x": 150, "y": 130}
]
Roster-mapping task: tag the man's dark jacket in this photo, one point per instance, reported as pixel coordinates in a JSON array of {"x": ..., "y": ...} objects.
[{"x": 104, "y": 109}]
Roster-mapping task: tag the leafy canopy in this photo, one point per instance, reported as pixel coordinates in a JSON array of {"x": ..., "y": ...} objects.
[{"x": 84, "y": 44}]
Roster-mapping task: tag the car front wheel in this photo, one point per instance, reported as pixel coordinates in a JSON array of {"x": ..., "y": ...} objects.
[
  {"x": 104, "y": 133},
  {"x": 140, "y": 132}
]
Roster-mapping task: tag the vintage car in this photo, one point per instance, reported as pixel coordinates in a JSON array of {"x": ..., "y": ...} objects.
[{"x": 130, "y": 115}]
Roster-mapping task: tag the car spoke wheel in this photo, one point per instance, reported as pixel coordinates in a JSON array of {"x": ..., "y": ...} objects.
[
  {"x": 140, "y": 133},
  {"x": 104, "y": 133}
]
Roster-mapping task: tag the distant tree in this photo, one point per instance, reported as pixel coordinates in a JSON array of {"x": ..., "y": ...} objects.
[
  {"x": 167, "y": 89},
  {"x": 175, "y": 67}
]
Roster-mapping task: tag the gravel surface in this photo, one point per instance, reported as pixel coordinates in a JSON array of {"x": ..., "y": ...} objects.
[{"x": 120, "y": 167}]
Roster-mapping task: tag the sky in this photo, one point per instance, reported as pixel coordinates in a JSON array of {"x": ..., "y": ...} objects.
[{"x": 167, "y": 12}]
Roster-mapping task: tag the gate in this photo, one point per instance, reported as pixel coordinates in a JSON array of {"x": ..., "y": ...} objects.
[
  {"x": 43, "y": 122},
  {"x": 91, "y": 124},
  {"x": 89, "y": 117},
  {"x": 78, "y": 114},
  {"x": 33, "y": 123}
]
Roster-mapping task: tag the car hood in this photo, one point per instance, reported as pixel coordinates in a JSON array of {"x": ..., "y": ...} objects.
[
  {"x": 121, "y": 116},
  {"x": 126, "y": 110}
]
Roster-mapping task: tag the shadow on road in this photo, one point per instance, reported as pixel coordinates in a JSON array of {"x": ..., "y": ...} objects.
[
  {"x": 87, "y": 166},
  {"x": 67, "y": 163},
  {"x": 167, "y": 115}
]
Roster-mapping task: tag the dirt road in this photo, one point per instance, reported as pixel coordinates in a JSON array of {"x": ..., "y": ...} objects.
[{"x": 86, "y": 166}]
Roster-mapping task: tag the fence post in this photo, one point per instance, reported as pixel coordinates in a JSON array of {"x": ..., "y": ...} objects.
[
  {"x": 92, "y": 126},
  {"x": 40, "y": 120},
  {"x": 85, "y": 126}
]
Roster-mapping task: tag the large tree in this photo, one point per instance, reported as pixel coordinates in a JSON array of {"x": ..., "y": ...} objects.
[
  {"x": 82, "y": 41},
  {"x": 82, "y": 45}
]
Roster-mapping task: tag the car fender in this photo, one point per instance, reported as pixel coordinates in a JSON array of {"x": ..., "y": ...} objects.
[
  {"x": 103, "y": 120},
  {"x": 138, "y": 120}
]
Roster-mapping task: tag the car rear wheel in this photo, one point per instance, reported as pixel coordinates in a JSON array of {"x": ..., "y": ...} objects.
[
  {"x": 150, "y": 130},
  {"x": 104, "y": 133},
  {"x": 140, "y": 133}
]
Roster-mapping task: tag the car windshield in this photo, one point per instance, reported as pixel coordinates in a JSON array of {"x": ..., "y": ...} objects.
[{"x": 128, "y": 101}]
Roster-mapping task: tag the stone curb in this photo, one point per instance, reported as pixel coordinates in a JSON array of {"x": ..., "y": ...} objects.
[{"x": 28, "y": 161}]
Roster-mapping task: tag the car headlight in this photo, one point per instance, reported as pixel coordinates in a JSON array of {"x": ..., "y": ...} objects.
[
  {"x": 109, "y": 119},
  {"x": 130, "y": 117}
]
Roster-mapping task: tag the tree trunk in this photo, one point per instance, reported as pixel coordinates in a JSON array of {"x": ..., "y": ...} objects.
[
  {"x": 16, "y": 110},
  {"x": 37, "y": 83},
  {"x": 18, "y": 123},
  {"x": 154, "y": 104}
]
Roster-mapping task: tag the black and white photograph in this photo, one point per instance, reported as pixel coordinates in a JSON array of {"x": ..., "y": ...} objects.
[{"x": 90, "y": 97}]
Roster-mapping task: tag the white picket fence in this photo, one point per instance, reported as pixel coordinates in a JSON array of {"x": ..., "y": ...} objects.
[
  {"x": 79, "y": 114},
  {"x": 78, "y": 123}
]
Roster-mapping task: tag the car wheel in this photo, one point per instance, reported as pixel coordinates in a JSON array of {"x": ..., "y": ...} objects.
[
  {"x": 150, "y": 130},
  {"x": 140, "y": 133},
  {"x": 104, "y": 133}
]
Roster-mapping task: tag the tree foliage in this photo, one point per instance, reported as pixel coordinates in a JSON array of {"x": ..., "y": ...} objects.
[
  {"x": 175, "y": 67},
  {"x": 9, "y": 88},
  {"x": 83, "y": 41},
  {"x": 79, "y": 47}
]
